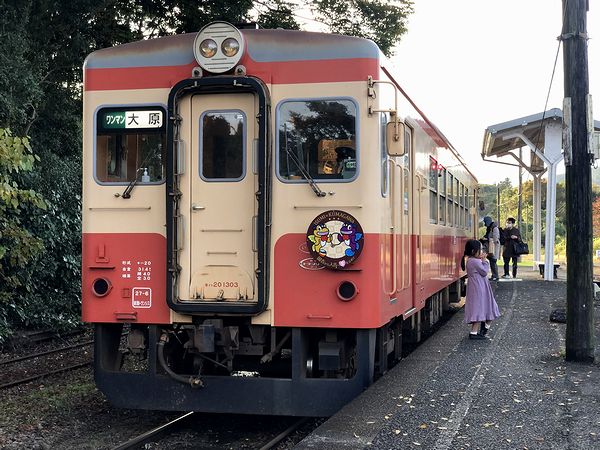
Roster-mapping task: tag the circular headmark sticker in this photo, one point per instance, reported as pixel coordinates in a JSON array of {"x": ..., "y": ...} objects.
[{"x": 335, "y": 239}]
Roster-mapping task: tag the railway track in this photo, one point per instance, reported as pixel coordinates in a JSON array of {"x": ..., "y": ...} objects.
[
  {"x": 158, "y": 433},
  {"x": 39, "y": 336},
  {"x": 44, "y": 353},
  {"x": 44, "y": 373}
]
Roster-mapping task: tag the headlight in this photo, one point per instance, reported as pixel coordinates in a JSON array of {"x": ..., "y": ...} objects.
[
  {"x": 208, "y": 48},
  {"x": 218, "y": 47},
  {"x": 230, "y": 47}
]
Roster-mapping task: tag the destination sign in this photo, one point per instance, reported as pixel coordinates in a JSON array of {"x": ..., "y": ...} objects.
[{"x": 132, "y": 119}]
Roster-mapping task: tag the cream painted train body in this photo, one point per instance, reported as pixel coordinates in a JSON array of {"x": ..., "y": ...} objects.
[{"x": 268, "y": 217}]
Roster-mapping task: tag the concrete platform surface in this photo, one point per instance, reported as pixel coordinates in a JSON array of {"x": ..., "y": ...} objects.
[{"x": 514, "y": 391}]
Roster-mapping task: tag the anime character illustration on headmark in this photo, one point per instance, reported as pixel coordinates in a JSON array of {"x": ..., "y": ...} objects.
[{"x": 335, "y": 239}]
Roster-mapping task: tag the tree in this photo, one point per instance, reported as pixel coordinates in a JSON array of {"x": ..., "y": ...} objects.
[
  {"x": 381, "y": 21},
  {"x": 40, "y": 96},
  {"x": 18, "y": 246},
  {"x": 43, "y": 44}
]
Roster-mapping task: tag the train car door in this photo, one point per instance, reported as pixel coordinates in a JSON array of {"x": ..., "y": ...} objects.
[{"x": 223, "y": 204}]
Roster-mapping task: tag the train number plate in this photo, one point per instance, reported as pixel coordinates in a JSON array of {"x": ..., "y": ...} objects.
[{"x": 141, "y": 297}]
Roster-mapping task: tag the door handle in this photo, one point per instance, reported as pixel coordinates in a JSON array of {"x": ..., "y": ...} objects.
[{"x": 197, "y": 207}]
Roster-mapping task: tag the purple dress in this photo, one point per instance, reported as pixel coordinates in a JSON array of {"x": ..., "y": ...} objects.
[{"x": 480, "y": 304}]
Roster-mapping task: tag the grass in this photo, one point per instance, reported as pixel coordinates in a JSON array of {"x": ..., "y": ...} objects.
[{"x": 23, "y": 409}]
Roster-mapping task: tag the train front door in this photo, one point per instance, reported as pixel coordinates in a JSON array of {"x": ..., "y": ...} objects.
[{"x": 222, "y": 200}]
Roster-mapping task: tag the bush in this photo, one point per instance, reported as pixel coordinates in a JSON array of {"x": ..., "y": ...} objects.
[
  {"x": 19, "y": 245},
  {"x": 55, "y": 297}
]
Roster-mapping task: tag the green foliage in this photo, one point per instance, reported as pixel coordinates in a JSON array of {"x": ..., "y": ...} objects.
[
  {"x": 54, "y": 299},
  {"x": 381, "y": 21},
  {"x": 43, "y": 44},
  {"x": 18, "y": 245},
  {"x": 509, "y": 199},
  {"x": 276, "y": 14}
]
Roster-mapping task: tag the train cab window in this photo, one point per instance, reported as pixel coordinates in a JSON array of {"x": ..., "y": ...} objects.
[
  {"x": 130, "y": 144},
  {"x": 317, "y": 137},
  {"x": 222, "y": 148}
]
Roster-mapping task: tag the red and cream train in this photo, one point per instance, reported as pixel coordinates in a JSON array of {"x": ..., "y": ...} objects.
[{"x": 268, "y": 213}]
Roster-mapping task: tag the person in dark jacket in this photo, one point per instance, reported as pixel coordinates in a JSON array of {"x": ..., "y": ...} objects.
[{"x": 511, "y": 235}]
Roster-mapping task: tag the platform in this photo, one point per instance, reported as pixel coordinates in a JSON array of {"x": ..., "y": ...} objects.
[{"x": 514, "y": 391}]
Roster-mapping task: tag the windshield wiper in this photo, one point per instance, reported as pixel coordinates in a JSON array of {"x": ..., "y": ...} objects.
[
  {"x": 311, "y": 182},
  {"x": 127, "y": 192},
  {"x": 305, "y": 174}
]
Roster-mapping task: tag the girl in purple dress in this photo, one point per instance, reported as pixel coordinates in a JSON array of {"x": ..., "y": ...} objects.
[{"x": 480, "y": 307}]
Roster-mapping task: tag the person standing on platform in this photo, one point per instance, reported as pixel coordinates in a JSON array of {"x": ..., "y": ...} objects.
[
  {"x": 480, "y": 305},
  {"x": 511, "y": 235},
  {"x": 492, "y": 240}
]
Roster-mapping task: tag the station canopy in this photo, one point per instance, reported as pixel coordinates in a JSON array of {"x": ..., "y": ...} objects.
[{"x": 500, "y": 139}]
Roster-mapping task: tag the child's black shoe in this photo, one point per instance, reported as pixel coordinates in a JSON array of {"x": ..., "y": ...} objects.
[
  {"x": 477, "y": 336},
  {"x": 483, "y": 329}
]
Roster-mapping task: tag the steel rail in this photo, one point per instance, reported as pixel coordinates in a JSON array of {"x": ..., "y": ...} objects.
[
  {"x": 48, "y": 335},
  {"x": 285, "y": 433},
  {"x": 154, "y": 433},
  {"x": 45, "y": 374},
  {"x": 48, "y": 352}
]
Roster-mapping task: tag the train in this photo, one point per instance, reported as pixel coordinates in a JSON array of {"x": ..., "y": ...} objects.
[{"x": 268, "y": 218}]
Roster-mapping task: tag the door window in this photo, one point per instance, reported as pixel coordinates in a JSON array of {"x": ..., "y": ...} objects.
[{"x": 222, "y": 145}]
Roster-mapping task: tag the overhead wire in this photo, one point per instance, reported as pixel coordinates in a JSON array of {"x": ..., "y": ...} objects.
[{"x": 539, "y": 134}]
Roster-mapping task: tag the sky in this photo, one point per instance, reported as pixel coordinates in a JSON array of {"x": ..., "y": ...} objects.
[{"x": 469, "y": 64}]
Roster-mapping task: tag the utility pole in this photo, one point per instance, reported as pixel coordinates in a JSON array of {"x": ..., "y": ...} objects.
[
  {"x": 498, "y": 202},
  {"x": 580, "y": 339}
]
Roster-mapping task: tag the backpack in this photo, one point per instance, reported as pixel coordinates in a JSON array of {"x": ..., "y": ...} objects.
[{"x": 502, "y": 238}]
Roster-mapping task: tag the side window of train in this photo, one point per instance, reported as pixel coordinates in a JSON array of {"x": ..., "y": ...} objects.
[
  {"x": 467, "y": 209},
  {"x": 222, "y": 145},
  {"x": 319, "y": 135},
  {"x": 442, "y": 193},
  {"x": 130, "y": 144},
  {"x": 433, "y": 187},
  {"x": 385, "y": 167},
  {"x": 457, "y": 195},
  {"x": 461, "y": 200},
  {"x": 449, "y": 196},
  {"x": 408, "y": 134}
]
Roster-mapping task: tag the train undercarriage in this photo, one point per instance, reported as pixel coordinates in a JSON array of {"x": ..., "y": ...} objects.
[{"x": 228, "y": 365}]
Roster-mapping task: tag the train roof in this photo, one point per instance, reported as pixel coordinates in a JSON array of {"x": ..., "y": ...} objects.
[
  {"x": 276, "y": 56},
  {"x": 261, "y": 46}
]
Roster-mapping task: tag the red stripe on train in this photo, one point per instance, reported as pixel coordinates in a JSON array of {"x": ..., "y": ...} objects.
[
  {"x": 287, "y": 72},
  {"x": 135, "y": 264}
]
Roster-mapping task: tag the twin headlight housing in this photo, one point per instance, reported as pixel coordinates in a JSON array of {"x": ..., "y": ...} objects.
[{"x": 218, "y": 47}]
